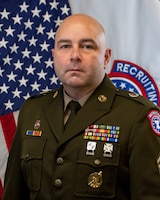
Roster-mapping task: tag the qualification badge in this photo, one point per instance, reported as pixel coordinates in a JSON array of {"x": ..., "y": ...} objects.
[
  {"x": 107, "y": 150},
  {"x": 95, "y": 179},
  {"x": 91, "y": 147}
]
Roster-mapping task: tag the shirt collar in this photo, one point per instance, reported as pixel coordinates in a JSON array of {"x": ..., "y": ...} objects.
[{"x": 81, "y": 101}]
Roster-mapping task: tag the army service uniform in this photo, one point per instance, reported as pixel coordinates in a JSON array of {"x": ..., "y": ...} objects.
[{"x": 111, "y": 150}]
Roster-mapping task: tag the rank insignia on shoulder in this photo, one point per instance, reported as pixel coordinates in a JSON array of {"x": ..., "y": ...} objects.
[
  {"x": 154, "y": 118},
  {"x": 41, "y": 94},
  {"x": 55, "y": 94},
  {"x": 34, "y": 133},
  {"x": 133, "y": 94}
]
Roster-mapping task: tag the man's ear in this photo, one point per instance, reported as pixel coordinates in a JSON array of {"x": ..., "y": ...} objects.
[
  {"x": 53, "y": 52},
  {"x": 107, "y": 56}
]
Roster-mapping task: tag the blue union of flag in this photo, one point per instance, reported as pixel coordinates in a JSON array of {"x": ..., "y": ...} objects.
[{"x": 27, "y": 30}]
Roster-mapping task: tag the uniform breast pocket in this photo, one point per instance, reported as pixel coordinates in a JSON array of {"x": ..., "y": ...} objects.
[
  {"x": 97, "y": 169},
  {"x": 31, "y": 161}
]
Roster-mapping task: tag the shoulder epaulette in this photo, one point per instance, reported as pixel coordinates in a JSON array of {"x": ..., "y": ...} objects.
[
  {"x": 42, "y": 94},
  {"x": 135, "y": 97}
]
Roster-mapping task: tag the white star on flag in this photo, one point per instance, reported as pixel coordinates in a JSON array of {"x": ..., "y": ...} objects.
[{"x": 27, "y": 30}]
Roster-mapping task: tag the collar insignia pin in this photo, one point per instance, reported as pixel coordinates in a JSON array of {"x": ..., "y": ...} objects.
[{"x": 102, "y": 98}]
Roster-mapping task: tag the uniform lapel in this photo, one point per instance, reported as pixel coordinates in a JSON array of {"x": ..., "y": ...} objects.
[
  {"x": 54, "y": 113},
  {"x": 97, "y": 105}
]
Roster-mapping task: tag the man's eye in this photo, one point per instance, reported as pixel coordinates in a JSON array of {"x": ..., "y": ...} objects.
[
  {"x": 64, "y": 46},
  {"x": 87, "y": 47}
]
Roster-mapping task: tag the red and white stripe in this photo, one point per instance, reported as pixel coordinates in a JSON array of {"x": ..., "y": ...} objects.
[{"x": 7, "y": 130}]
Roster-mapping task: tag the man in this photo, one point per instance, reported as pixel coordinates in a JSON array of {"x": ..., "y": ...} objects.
[{"x": 110, "y": 149}]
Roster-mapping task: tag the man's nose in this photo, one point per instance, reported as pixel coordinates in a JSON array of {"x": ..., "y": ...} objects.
[{"x": 75, "y": 54}]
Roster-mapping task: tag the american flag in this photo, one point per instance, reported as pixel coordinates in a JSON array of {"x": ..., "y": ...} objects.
[{"x": 27, "y": 30}]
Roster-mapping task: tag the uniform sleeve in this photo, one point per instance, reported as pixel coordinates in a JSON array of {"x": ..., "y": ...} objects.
[
  {"x": 14, "y": 186},
  {"x": 144, "y": 152}
]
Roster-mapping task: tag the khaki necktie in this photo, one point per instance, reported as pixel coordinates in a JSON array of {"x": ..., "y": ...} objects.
[{"x": 74, "y": 107}]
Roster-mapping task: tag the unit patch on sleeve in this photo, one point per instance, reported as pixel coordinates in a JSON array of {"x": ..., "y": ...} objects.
[{"x": 154, "y": 118}]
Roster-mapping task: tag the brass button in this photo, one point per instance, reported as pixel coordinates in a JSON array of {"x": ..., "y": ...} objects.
[
  {"x": 97, "y": 162},
  {"x": 57, "y": 182},
  {"x": 60, "y": 161}
]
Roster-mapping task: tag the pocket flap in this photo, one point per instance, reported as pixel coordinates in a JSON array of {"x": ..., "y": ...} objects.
[{"x": 32, "y": 148}]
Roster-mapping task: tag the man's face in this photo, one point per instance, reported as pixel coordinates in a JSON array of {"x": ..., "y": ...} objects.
[{"x": 80, "y": 56}]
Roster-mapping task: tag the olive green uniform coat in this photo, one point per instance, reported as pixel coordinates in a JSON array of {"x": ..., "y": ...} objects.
[{"x": 54, "y": 164}]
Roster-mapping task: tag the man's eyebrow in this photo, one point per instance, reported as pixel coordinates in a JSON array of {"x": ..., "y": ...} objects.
[
  {"x": 63, "y": 41},
  {"x": 87, "y": 40},
  {"x": 82, "y": 40}
]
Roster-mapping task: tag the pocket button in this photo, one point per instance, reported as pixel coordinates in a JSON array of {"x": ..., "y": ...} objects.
[
  {"x": 97, "y": 162},
  {"x": 60, "y": 161},
  {"x": 57, "y": 182}
]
